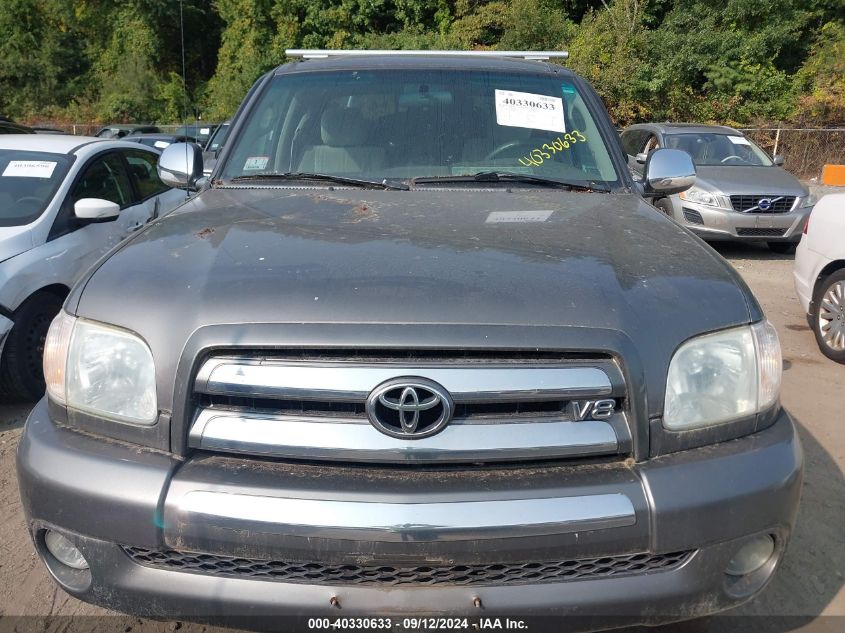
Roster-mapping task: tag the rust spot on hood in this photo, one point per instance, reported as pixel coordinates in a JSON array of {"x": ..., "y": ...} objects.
[{"x": 363, "y": 211}]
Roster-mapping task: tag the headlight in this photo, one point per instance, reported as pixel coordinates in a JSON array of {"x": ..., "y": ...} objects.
[
  {"x": 700, "y": 196},
  {"x": 101, "y": 370},
  {"x": 723, "y": 376},
  {"x": 809, "y": 200}
]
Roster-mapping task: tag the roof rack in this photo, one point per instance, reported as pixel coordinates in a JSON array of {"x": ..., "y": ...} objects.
[{"x": 322, "y": 54}]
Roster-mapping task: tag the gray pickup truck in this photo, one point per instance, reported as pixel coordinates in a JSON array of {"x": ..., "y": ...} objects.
[{"x": 418, "y": 347}]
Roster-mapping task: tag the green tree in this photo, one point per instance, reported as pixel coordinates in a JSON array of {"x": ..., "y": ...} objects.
[
  {"x": 821, "y": 80},
  {"x": 734, "y": 61},
  {"x": 126, "y": 68},
  {"x": 245, "y": 53},
  {"x": 610, "y": 49},
  {"x": 41, "y": 56}
]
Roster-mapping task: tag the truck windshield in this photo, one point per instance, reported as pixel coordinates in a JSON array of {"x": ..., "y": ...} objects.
[
  {"x": 399, "y": 125},
  {"x": 709, "y": 149},
  {"x": 28, "y": 181}
]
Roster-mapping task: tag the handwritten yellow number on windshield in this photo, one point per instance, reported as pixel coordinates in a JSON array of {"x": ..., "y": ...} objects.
[{"x": 539, "y": 155}]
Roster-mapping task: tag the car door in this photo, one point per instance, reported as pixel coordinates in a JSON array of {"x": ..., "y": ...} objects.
[
  {"x": 106, "y": 177},
  {"x": 154, "y": 197},
  {"x": 633, "y": 142},
  {"x": 73, "y": 244}
]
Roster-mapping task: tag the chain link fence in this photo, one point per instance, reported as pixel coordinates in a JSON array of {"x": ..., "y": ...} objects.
[{"x": 805, "y": 151}]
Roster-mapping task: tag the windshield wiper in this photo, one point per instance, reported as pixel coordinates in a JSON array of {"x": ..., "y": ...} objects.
[
  {"x": 341, "y": 180},
  {"x": 506, "y": 176}
]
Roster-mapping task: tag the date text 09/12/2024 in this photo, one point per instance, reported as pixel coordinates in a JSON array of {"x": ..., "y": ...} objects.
[{"x": 418, "y": 623}]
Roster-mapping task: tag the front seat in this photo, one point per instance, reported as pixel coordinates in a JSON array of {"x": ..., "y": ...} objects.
[{"x": 343, "y": 132}]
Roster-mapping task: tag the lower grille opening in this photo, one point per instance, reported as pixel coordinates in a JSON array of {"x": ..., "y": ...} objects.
[
  {"x": 424, "y": 575},
  {"x": 753, "y": 232},
  {"x": 692, "y": 216}
]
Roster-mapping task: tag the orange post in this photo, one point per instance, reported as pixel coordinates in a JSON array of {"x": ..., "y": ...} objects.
[{"x": 833, "y": 175}]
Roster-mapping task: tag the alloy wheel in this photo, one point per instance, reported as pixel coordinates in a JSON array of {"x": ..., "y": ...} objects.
[{"x": 832, "y": 316}]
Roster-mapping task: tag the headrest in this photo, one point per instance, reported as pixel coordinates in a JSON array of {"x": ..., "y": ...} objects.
[
  {"x": 342, "y": 127},
  {"x": 140, "y": 171},
  {"x": 689, "y": 144}
]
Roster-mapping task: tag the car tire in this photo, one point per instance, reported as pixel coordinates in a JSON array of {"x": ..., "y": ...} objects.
[
  {"x": 21, "y": 372},
  {"x": 783, "y": 248},
  {"x": 830, "y": 291}
]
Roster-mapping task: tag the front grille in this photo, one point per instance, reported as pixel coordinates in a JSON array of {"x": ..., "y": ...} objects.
[
  {"x": 328, "y": 405},
  {"x": 752, "y": 232},
  {"x": 751, "y": 204},
  {"x": 692, "y": 216},
  {"x": 425, "y": 575}
]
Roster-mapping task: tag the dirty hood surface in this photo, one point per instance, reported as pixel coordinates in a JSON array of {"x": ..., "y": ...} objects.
[{"x": 522, "y": 259}]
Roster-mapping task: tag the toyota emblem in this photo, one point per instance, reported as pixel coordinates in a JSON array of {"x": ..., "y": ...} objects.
[{"x": 409, "y": 408}]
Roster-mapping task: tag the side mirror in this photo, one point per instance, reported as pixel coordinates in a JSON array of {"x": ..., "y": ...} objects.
[
  {"x": 95, "y": 209},
  {"x": 668, "y": 171},
  {"x": 778, "y": 160},
  {"x": 180, "y": 165}
]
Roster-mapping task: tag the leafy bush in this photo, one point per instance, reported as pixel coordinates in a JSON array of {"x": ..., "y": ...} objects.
[{"x": 733, "y": 61}]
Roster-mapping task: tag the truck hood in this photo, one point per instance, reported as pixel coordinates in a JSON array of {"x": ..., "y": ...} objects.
[
  {"x": 736, "y": 179},
  {"x": 421, "y": 258},
  {"x": 14, "y": 240}
]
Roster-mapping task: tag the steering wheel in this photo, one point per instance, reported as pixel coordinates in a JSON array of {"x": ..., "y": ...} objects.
[
  {"x": 503, "y": 148},
  {"x": 26, "y": 199},
  {"x": 731, "y": 157}
]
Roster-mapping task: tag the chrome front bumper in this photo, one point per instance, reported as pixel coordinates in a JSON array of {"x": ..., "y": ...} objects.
[{"x": 106, "y": 496}]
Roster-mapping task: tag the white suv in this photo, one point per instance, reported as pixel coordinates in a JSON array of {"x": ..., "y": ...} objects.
[
  {"x": 820, "y": 274},
  {"x": 64, "y": 202}
]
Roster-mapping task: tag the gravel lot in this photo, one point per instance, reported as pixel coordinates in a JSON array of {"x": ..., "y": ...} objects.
[{"x": 809, "y": 583}]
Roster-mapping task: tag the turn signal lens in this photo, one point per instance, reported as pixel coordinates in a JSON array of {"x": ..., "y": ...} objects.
[{"x": 55, "y": 355}]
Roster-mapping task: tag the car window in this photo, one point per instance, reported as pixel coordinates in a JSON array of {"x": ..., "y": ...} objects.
[
  {"x": 142, "y": 169},
  {"x": 218, "y": 138},
  {"x": 28, "y": 182},
  {"x": 707, "y": 149},
  {"x": 633, "y": 141},
  {"x": 104, "y": 178},
  {"x": 378, "y": 124}
]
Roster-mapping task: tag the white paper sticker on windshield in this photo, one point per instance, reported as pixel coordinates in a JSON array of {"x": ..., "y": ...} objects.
[
  {"x": 739, "y": 140},
  {"x": 204, "y": 131},
  {"x": 496, "y": 217},
  {"x": 161, "y": 144},
  {"x": 523, "y": 109},
  {"x": 30, "y": 168},
  {"x": 256, "y": 162}
]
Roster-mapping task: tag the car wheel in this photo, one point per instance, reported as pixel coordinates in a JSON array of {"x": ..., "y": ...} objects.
[
  {"x": 21, "y": 373},
  {"x": 829, "y": 316},
  {"x": 784, "y": 248}
]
